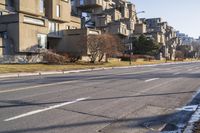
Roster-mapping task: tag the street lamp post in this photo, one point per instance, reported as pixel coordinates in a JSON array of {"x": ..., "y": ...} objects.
[
  {"x": 131, "y": 53},
  {"x": 131, "y": 45}
]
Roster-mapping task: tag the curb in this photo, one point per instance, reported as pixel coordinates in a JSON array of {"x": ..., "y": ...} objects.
[{"x": 17, "y": 75}]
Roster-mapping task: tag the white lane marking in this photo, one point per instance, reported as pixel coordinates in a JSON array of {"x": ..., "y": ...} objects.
[
  {"x": 149, "y": 80},
  {"x": 66, "y": 82},
  {"x": 45, "y": 109},
  {"x": 158, "y": 85}
]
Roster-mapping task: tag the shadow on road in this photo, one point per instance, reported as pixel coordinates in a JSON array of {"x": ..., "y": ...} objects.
[
  {"x": 124, "y": 122},
  {"x": 20, "y": 103}
]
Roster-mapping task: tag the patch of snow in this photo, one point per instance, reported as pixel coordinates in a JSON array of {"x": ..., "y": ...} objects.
[
  {"x": 177, "y": 131},
  {"x": 195, "y": 117}
]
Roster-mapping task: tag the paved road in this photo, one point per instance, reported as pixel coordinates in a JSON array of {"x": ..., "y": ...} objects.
[{"x": 133, "y": 100}]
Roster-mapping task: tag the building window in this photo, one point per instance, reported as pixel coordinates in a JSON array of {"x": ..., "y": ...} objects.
[
  {"x": 58, "y": 10},
  {"x": 41, "y": 8},
  {"x": 53, "y": 27},
  {"x": 42, "y": 40}
]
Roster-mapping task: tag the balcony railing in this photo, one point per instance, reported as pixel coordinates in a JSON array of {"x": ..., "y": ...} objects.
[
  {"x": 56, "y": 34},
  {"x": 119, "y": 28}
]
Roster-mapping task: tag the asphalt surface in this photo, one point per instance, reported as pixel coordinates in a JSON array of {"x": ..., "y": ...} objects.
[{"x": 128, "y": 100}]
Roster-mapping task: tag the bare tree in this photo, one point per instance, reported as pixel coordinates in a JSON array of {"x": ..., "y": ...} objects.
[
  {"x": 110, "y": 46},
  {"x": 51, "y": 57},
  {"x": 105, "y": 45},
  {"x": 93, "y": 46}
]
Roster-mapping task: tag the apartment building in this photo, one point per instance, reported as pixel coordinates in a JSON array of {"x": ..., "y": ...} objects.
[
  {"x": 186, "y": 39},
  {"x": 172, "y": 41},
  {"x": 27, "y": 29},
  {"x": 46, "y": 24},
  {"x": 18, "y": 24},
  {"x": 163, "y": 34},
  {"x": 140, "y": 28},
  {"x": 109, "y": 16}
]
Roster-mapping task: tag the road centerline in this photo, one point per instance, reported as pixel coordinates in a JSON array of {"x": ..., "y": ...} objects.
[{"x": 45, "y": 109}]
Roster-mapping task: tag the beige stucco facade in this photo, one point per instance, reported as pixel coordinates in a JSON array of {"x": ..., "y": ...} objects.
[
  {"x": 118, "y": 28},
  {"x": 29, "y": 33},
  {"x": 2, "y": 4},
  {"x": 52, "y": 6},
  {"x": 22, "y": 34},
  {"x": 140, "y": 28},
  {"x": 30, "y": 28},
  {"x": 75, "y": 40},
  {"x": 28, "y": 7}
]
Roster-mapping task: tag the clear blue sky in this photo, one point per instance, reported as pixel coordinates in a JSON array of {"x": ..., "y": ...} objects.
[{"x": 183, "y": 15}]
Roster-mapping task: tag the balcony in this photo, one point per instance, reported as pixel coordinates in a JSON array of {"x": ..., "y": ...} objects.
[
  {"x": 85, "y": 4},
  {"x": 130, "y": 23},
  {"x": 118, "y": 28},
  {"x": 103, "y": 21},
  {"x": 140, "y": 28},
  {"x": 116, "y": 14}
]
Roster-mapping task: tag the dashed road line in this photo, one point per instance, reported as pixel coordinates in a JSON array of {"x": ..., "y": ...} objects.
[
  {"x": 149, "y": 80},
  {"x": 44, "y": 109},
  {"x": 65, "y": 82}
]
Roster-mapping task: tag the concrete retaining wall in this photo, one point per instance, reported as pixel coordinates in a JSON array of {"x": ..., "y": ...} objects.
[{"x": 20, "y": 59}]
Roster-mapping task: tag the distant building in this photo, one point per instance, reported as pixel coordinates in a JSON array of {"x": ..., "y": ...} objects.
[
  {"x": 198, "y": 40},
  {"x": 163, "y": 34},
  {"x": 186, "y": 40},
  {"x": 110, "y": 16}
]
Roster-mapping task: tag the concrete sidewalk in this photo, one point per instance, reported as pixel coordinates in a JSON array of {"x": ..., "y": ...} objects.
[{"x": 24, "y": 74}]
